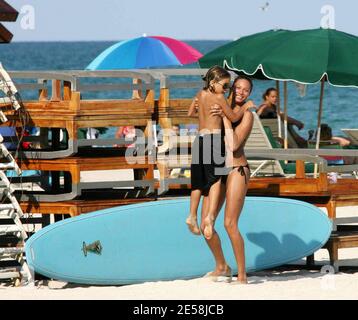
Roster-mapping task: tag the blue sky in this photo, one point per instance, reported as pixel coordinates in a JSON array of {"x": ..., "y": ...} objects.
[{"x": 183, "y": 19}]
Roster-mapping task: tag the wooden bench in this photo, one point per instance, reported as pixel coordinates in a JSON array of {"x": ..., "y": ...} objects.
[
  {"x": 171, "y": 111},
  {"x": 321, "y": 194},
  {"x": 75, "y": 114},
  {"x": 73, "y": 166},
  {"x": 65, "y": 109},
  {"x": 339, "y": 240},
  {"x": 77, "y": 207}
]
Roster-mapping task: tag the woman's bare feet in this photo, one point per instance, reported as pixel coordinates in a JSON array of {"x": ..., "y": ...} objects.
[
  {"x": 208, "y": 227},
  {"x": 192, "y": 223}
]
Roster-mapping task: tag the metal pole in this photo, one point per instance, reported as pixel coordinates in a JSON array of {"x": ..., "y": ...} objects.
[
  {"x": 285, "y": 114},
  {"x": 278, "y": 109},
  {"x": 318, "y": 136}
]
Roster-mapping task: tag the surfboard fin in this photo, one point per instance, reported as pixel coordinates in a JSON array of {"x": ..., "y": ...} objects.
[{"x": 95, "y": 247}]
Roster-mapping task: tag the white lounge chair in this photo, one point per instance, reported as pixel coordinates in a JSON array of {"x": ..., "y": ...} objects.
[
  {"x": 352, "y": 134},
  {"x": 258, "y": 140}
]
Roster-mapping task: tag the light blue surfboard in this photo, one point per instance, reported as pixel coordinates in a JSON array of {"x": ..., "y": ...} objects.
[{"x": 151, "y": 242}]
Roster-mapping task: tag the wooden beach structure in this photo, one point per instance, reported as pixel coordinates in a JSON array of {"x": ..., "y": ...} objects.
[
  {"x": 63, "y": 102},
  {"x": 8, "y": 14},
  {"x": 12, "y": 231}
]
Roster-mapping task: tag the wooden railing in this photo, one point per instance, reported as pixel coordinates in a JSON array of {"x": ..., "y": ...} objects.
[
  {"x": 62, "y": 83},
  {"x": 155, "y": 86}
]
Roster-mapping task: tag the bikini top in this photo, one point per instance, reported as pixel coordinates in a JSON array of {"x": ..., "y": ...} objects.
[{"x": 269, "y": 113}]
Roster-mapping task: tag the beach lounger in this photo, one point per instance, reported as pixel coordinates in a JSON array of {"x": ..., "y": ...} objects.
[
  {"x": 352, "y": 134},
  {"x": 71, "y": 175},
  {"x": 273, "y": 125},
  {"x": 261, "y": 137},
  {"x": 258, "y": 139},
  {"x": 335, "y": 161},
  {"x": 331, "y": 160}
]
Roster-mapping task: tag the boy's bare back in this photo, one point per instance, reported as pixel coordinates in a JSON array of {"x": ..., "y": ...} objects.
[{"x": 208, "y": 122}]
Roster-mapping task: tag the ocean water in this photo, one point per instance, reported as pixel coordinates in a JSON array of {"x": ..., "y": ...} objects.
[{"x": 340, "y": 104}]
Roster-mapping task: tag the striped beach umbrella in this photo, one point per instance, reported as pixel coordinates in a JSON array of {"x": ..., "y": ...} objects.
[{"x": 145, "y": 52}]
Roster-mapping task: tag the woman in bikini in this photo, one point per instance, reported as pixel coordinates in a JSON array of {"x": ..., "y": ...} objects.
[{"x": 236, "y": 135}]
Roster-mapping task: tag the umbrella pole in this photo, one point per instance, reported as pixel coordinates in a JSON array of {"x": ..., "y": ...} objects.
[
  {"x": 278, "y": 109},
  {"x": 318, "y": 136},
  {"x": 285, "y": 114}
]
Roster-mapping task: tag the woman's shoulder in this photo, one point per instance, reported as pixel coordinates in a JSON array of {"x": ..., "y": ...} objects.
[{"x": 262, "y": 106}]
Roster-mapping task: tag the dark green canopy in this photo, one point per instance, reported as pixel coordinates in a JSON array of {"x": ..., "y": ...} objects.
[{"x": 304, "y": 56}]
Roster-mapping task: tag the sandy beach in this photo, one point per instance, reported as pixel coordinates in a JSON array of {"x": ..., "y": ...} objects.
[{"x": 291, "y": 282}]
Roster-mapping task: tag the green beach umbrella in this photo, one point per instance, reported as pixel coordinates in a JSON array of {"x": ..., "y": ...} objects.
[{"x": 305, "y": 56}]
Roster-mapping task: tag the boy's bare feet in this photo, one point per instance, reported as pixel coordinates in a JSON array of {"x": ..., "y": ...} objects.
[
  {"x": 220, "y": 275},
  {"x": 208, "y": 227},
  {"x": 192, "y": 223},
  {"x": 240, "y": 280}
]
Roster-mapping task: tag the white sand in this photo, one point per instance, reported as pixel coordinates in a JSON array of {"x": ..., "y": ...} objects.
[{"x": 287, "y": 284}]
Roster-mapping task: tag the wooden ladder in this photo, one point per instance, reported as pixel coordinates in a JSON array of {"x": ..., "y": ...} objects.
[
  {"x": 11, "y": 95},
  {"x": 10, "y": 210}
]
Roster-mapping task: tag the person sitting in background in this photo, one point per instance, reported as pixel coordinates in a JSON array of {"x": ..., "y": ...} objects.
[
  {"x": 342, "y": 141},
  {"x": 268, "y": 110},
  {"x": 328, "y": 138}
]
